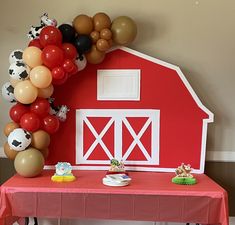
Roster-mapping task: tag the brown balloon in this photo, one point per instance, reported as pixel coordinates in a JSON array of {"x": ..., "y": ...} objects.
[
  {"x": 10, "y": 153},
  {"x": 10, "y": 127},
  {"x": 29, "y": 163},
  {"x": 94, "y": 56},
  {"x": 102, "y": 45},
  {"x": 83, "y": 24},
  {"x": 101, "y": 21},
  {"x": 40, "y": 139},
  {"x": 124, "y": 30},
  {"x": 45, "y": 152},
  {"x": 106, "y": 34},
  {"x": 95, "y": 35}
]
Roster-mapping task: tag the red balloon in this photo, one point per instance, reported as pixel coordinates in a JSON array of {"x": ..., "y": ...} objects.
[
  {"x": 50, "y": 124},
  {"x": 58, "y": 73},
  {"x": 74, "y": 71},
  {"x": 68, "y": 65},
  {"x": 52, "y": 56},
  {"x": 60, "y": 81},
  {"x": 17, "y": 111},
  {"x": 30, "y": 122},
  {"x": 50, "y": 35},
  {"x": 70, "y": 51},
  {"x": 40, "y": 106},
  {"x": 35, "y": 43}
]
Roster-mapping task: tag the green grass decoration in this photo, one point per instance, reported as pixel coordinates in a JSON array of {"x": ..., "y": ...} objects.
[{"x": 184, "y": 180}]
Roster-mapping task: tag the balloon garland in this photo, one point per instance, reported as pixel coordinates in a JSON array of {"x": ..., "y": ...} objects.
[{"x": 54, "y": 54}]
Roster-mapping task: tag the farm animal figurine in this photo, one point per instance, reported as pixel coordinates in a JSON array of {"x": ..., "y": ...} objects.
[
  {"x": 44, "y": 21},
  {"x": 184, "y": 171},
  {"x": 59, "y": 111},
  {"x": 61, "y": 114},
  {"x": 116, "y": 166}
]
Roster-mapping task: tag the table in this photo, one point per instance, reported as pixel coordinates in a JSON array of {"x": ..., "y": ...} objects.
[{"x": 150, "y": 197}]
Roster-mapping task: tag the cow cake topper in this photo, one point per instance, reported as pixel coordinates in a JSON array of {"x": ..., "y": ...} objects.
[
  {"x": 54, "y": 54},
  {"x": 183, "y": 175}
]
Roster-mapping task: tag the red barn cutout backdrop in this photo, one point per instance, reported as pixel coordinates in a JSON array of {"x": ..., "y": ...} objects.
[{"x": 134, "y": 108}]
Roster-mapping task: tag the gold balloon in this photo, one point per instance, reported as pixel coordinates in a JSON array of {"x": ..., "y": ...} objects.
[
  {"x": 29, "y": 163},
  {"x": 101, "y": 21},
  {"x": 45, "y": 152},
  {"x": 40, "y": 77},
  {"x": 46, "y": 92},
  {"x": 124, "y": 30},
  {"x": 95, "y": 35},
  {"x": 102, "y": 45},
  {"x": 83, "y": 24},
  {"x": 25, "y": 92},
  {"x": 94, "y": 56},
  {"x": 10, "y": 153},
  {"x": 106, "y": 34},
  {"x": 10, "y": 127},
  {"x": 32, "y": 56},
  {"x": 40, "y": 139}
]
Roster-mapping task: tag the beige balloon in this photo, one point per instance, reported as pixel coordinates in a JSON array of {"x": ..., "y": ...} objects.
[
  {"x": 9, "y": 127},
  {"x": 40, "y": 76},
  {"x": 32, "y": 56},
  {"x": 25, "y": 92},
  {"x": 14, "y": 82},
  {"x": 10, "y": 153},
  {"x": 124, "y": 30},
  {"x": 40, "y": 139},
  {"x": 46, "y": 92},
  {"x": 29, "y": 163}
]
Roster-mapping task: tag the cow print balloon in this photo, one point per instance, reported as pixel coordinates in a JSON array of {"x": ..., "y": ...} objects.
[
  {"x": 19, "y": 71},
  {"x": 8, "y": 92},
  {"x": 16, "y": 56},
  {"x": 19, "y": 139}
]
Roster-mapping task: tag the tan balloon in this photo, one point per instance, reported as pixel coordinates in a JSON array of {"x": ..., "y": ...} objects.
[
  {"x": 40, "y": 139},
  {"x": 94, "y": 56},
  {"x": 32, "y": 56},
  {"x": 101, "y": 21},
  {"x": 124, "y": 30},
  {"x": 83, "y": 24},
  {"x": 106, "y": 34},
  {"x": 46, "y": 92},
  {"x": 25, "y": 92},
  {"x": 95, "y": 35},
  {"x": 10, "y": 153},
  {"x": 29, "y": 163},
  {"x": 14, "y": 82},
  {"x": 102, "y": 45},
  {"x": 9, "y": 127},
  {"x": 45, "y": 152},
  {"x": 40, "y": 77}
]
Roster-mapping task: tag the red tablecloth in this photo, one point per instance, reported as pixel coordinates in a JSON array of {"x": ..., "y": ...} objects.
[{"x": 149, "y": 197}]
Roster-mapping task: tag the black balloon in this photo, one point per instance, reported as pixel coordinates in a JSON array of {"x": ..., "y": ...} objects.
[
  {"x": 83, "y": 44},
  {"x": 68, "y": 32}
]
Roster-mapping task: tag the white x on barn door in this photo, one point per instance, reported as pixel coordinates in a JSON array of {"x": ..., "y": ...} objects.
[{"x": 118, "y": 119}]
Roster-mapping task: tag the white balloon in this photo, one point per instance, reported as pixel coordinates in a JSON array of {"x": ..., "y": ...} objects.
[
  {"x": 8, "y": 92},
  {"x": 19, "y": 139},
  {"x": 19, "y": 71},
  {"x": 81, "y": 63},
  {"x": 16, "y": 56}
]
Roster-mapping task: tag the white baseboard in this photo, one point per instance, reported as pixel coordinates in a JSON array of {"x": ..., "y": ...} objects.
[{"x": 214, "y": 156}]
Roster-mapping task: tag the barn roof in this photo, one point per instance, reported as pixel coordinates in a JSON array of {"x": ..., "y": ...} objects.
[{"x": 179, "y": 73}]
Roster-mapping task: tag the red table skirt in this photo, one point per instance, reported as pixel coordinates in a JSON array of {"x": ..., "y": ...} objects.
[{"x": 149, "y": 197}]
